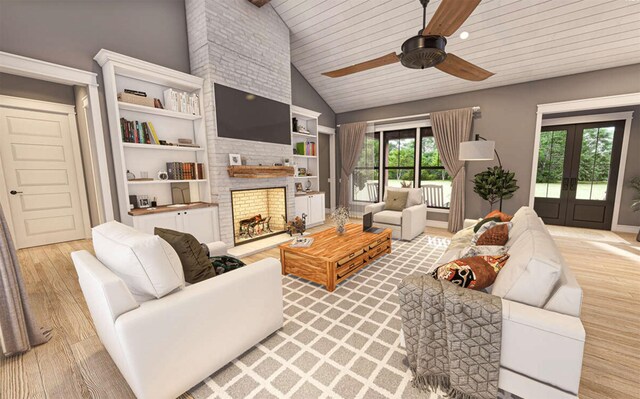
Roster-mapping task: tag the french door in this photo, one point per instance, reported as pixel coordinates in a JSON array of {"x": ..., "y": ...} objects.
[{"x": 577, "y": 174}]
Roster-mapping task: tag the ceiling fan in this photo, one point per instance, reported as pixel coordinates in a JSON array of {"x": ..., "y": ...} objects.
[{"x": 426, "y": 49}]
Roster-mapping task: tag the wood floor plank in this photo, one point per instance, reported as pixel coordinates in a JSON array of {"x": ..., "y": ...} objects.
[{"x": 103, "y": 379}]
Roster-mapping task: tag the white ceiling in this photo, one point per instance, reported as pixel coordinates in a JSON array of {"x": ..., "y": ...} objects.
[{"x": 518, "y": 40}]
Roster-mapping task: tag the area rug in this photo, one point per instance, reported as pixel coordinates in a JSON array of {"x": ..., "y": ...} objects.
[{"x": 344, "y": 344}]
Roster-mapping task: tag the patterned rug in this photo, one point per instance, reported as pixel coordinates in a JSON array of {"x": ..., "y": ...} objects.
[{"x": 343, "y": 344}]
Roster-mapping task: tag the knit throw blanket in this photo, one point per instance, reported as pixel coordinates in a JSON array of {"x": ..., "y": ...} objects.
[{"x": 452, "y": 336}]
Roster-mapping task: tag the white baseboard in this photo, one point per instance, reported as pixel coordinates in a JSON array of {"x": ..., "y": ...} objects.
[
  {"x": 437, "y": 223},
  {"x": 624, "y": 228}
]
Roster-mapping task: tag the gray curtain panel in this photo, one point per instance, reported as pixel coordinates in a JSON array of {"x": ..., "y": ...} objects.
[
  {"x": 18, "y": 328},
  {"x": 351, "y": 136},
  {"x": 450, "y": 128}
]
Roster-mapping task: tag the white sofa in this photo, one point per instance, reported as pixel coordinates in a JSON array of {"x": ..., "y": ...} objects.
[
  {"x": 405, "y": 225},
  {"x": 165, "y": 346},
  {"x": 542, "y": 335}
]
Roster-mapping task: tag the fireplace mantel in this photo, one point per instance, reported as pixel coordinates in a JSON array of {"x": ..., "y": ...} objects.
[{"x": 259, "y": 172}]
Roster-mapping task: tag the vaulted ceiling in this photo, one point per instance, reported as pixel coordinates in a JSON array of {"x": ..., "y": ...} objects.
[{"x": 518, "y": 40}]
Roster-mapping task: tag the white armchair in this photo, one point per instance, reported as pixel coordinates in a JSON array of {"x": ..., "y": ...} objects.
[
  {"x": 406, "y": 224},
  {"x": 165, "y": 346}
]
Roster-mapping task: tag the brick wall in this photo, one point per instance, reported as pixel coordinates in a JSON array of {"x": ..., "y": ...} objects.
[{"x": 239, "y": 45}]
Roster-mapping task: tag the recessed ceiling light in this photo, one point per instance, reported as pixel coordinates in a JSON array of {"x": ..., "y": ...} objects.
[{"x": 464, "y": 35}]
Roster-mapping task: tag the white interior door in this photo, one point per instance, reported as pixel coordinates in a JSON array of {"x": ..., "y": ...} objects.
[{"x": 42, "y": 170}]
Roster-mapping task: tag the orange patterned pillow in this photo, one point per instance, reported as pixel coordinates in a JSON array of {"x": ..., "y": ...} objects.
[
  {"x": 476, "y": 272},
  {"x": 503, "y": 216},
  {"x": 497, "y": 235}
]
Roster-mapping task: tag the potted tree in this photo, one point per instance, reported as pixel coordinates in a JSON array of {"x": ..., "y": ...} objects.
[{"x": 495, "y": 184}]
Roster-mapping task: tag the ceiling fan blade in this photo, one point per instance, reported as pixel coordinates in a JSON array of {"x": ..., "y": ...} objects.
[
  {"x": 456, "y": 66},
  {"x": 449, "y": 16},
  {"x": 363, "y": 66}
]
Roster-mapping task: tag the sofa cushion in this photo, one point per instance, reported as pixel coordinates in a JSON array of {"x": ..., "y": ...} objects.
[
  {"x": 195, "y": 262},
  {"x": 147, "y": 264},
  {"x": 503, "y": 216},
  {"x": 476, "y": 272},
  {"x": 497, "y": 235},
  {"x": 486, "y": 227},
  {"x": 483, "y": 250},
  {"x": 414, "y": 196},
  {"x": 525, "y": 219},
  {"x": 396, "y": 201},
  {"x": 486, "y": 220},
  {"x": 388, "y": 217},
  {"x": 532, "y": 271}
]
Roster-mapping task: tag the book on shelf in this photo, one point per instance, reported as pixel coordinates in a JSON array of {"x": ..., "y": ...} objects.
[
  {"x": 185, "y": 171},
  {"x": 306, "y": 148},
  {"x": 138, "y": 132},
  {"x": 179, "y": 101}
]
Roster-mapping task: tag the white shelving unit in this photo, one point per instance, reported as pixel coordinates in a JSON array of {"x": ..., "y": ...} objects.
[
  {"x": 122, "y": 72},
  {"x": 310, "y": 203}
]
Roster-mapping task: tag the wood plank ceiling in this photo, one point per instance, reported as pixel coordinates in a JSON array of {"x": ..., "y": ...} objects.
[{"x": 518, "y": 40}]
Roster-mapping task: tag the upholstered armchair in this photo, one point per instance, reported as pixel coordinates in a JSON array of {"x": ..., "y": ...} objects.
[{"x": 406, "y": 224}]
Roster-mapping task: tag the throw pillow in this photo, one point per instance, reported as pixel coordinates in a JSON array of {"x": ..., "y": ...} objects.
[
  {"x": 486, "y": 220},
  {"x": 476, "y": 272},
  {"x": 487, "y": 226},
  {"x": 195, "y": 262},
  {"x": 148, "y": 266},
  {"x": 225, "y": 263},
  {"x": 497, "y": 235},
  {"x": 396, "y": 200},
  {"x": 482, "y": 250},
  {"x": 503, "y": 216}
]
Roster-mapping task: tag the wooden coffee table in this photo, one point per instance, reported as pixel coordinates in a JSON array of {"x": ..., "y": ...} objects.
[{"x": 332, "y": 258}]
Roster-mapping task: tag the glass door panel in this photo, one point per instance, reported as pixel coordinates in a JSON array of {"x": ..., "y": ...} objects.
[
  {"x": 551, "y": 159},
  {"x": 595, "y": 163}
]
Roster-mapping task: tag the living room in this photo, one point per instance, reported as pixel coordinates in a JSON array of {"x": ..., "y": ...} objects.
[{"x": 244, "y": 198}]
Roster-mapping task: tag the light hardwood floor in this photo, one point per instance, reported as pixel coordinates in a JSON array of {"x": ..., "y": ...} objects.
[{"x": 74, "y": 364}]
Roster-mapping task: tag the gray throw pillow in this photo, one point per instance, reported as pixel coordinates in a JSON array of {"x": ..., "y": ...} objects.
[
  {"x": 396, "y": 200},
  {"x": 194, "y": 259}
]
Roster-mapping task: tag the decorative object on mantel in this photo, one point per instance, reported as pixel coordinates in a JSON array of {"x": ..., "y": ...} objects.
[
  {"x": 259, "y": 172},
  {"x": 340, "y": 217},
  {"x": 635, "y": 204},
  {"x": 235, "y": 159},
  {"x": 296, "y": 226}
]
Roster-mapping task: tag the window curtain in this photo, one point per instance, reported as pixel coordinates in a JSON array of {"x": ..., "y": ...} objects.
[
  {"x": 450, "y": 128},
  {"x": 18, "y": 328},
  {"x": 351, "y": 137}
]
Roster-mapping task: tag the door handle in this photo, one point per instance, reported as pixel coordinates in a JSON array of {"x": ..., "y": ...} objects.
[
  {"x": 572, "y": 184},
  {"x": 565, "y": 183},
  {"x": 14, "y": 192}
]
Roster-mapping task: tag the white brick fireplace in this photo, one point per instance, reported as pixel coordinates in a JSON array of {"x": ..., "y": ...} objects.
[
  {"x": 236, "y": 44},
  {"x": 258, "y": 213}
]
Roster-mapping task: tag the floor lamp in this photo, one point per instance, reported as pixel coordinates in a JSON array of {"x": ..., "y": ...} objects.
[{"x": 480, "y": 149}]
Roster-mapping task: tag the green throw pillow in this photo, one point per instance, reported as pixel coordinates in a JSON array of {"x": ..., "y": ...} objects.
[
  {"x": 483, "y": 221},
  {"x": 225, "y": 263},
  {"x": 195, "y": 263},
  {"x": 396, "y": 200}
]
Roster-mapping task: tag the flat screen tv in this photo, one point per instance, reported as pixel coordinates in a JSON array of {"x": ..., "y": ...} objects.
[{"x": 246, "y": 116}]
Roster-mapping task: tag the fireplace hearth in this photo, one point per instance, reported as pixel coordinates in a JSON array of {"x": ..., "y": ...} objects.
[{"x": 258, "y": 213}]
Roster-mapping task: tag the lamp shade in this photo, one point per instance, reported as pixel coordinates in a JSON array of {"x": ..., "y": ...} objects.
[{"x": 476, "y": 150}]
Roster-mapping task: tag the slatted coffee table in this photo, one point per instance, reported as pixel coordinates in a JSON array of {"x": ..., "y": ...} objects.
[{"x": 332, "y": 258}]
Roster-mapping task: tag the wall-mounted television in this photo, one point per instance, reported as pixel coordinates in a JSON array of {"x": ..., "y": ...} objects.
[{"x": 246, "y": 116}]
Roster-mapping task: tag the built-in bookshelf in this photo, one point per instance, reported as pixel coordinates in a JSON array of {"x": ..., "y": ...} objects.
[
  {"x": 304, "y": 144},
  {"x": 149, "y": 154}
]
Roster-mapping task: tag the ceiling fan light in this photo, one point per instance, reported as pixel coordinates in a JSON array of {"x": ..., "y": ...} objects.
[{"x": 464, "y": 35}]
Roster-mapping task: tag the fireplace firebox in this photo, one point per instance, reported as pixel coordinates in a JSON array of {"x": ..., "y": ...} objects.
[{"x": 258, "y": 213}]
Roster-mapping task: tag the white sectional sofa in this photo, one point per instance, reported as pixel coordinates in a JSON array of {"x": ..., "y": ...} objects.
[
  {"x": 542, "y": 335},
  {"x": 164, "y": 343}
]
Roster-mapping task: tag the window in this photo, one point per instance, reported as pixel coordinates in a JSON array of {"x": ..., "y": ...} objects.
[
  {"x": 365, "y": 178},
  {"x": 399, "y": 158},
  {"x": 434, "y": 179}
]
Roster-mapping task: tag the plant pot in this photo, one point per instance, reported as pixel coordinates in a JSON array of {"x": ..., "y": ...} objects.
[{"x": 340, "y": 229}]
